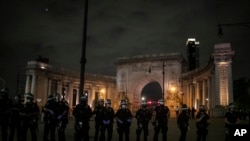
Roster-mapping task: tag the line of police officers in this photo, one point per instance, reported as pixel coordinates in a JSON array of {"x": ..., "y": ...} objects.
[{"x": 19, "y": 117}]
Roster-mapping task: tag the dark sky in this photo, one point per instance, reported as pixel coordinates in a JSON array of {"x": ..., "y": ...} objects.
[{"x": 116, "y": 28}]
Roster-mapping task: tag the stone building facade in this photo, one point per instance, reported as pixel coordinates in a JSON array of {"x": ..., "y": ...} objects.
[{"x": 210, "y": 85}]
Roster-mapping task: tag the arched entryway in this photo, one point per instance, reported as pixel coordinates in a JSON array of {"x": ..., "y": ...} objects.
[{"x": 152, "y": 91}]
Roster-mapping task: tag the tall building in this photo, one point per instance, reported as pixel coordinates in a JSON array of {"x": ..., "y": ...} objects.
[{"x": 192, "y": 54}]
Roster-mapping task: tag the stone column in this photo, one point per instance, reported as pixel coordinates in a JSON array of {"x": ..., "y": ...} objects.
[
  {"x": 70, "y": 95},
  {"x": 59, "y": 87},
  {"x": 27, "y": 85},
  {"x": 204, "y": 95},
  {"x": 49, "y": 87},
  {"x": 33, "y": 84}
]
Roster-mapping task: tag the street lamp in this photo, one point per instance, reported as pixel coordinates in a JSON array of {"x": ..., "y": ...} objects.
[
  {"x": 83, "y": 57},
  {"x": 163, "y": 77}
]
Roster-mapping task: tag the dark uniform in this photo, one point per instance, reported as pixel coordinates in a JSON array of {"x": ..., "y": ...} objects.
[
  {"x": 62, "y": 117},
  {"x": 30, "y": 120},
  {"x": 107, "y": 118},
  {"x": 5, "y": 110},
  {"x": 143, "y": 116},
  {"x": 16, "y": 119},
  {"x": 124, "y": 117},
  {"x": 82, "y": 113},
  {"x": 231, "y": 118},
  {"x": 49, "y": 119},
  {"x": 160, "y": 120},
  {"x": 98, "y": 121},
  {"x": 202, "y": 122},
  {"x": 183, "y": 122}
]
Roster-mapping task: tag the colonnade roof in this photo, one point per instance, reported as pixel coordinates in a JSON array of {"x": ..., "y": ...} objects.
[{"x": 44, "y": 67}]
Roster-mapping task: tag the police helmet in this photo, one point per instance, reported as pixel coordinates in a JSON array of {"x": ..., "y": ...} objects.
[
  {"x": 123, "y": 102},
  {"x": 4, "y": 92},
  {"x": 161, "y": 101},
  {"x": 202, "y": 108},
  {"x": 144, "y": 103},
  {"x": 231, "y": 106},
  {"x": 50, "y": 97},
  {"x": 108, "y": 101},
  {"x": 83, "y": 97},
  {"x": 184, "y": 107},
  {"x": 18, "y": 97},
  {"x": 29, "y": 96}
]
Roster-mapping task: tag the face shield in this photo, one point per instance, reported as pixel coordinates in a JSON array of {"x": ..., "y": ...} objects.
[{"x": 123, "y": 106}]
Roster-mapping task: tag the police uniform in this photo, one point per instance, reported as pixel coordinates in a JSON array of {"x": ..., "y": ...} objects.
[
  {"x": 107, "y": 118},
  {"x": 97, "y": 112},
  {"x": 231, "y": 118},
  {"x": 124, "y": 118},
  {"x": 160, "y": 120},
  {"x": 30, "y": 120},
  {"x": 202, "y": 122},
  {"x": 143, "y": 116},
  {"x": 5, "y": 109},
  {"x": 62, "y": 119},
  {"x": 82, "y": 113},
  {"x": 16, "y": 119},
  {"x": 49, "y": 119},
  {"x": 183, "y": 122}
]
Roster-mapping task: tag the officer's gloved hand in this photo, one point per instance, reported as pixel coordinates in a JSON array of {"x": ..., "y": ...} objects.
[
  {"x": 59, "y": 117},
  {"x": 129, "y": 120},
  {"x": 51, "y": 112},
  {"x": 120, "y": 121},
  {"x": 106, "y": 122}
]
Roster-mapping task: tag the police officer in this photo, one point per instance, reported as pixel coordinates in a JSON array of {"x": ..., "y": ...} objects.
[
  {"x": 62, "y": 117},
  {"x": 97, "y": 112},
  {"x": 30, "y": 121},
  {"x": 107, "y": 117},
  {"x": 183, "y": 122},
  {"x": 49, "y": 119},
  {"x": 5, "y": 110},
  {"x": 82, "y": 113},
  {"x": 16, "y": 119},
  {"x": 123, "y": 118},
  {"x": 202, "y": 122},
  {"x": 231, "y": 118},
  {"x": 143, "y": 116},
  {"x": 160, "y": 120}
]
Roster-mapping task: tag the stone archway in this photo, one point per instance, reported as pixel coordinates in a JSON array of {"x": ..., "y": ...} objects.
[{"x": 137, "y": 89}]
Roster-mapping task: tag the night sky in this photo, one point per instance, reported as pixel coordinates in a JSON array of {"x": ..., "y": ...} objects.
[{"x": 116, "y": 28}]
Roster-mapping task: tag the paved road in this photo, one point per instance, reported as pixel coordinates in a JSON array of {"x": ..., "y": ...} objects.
[{"x": 216, "y": 131}]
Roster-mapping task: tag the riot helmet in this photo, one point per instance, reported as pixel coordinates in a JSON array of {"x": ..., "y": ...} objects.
[
  {"x": 18, "y": 98},
  {"x": 57, "y": 97},
  {"x": 123, "y": 104},
  {"x": 4, "y": 93},
  {"x": 83, "y": 99},
  {"x": 144, "y": 104},
  {"x": 29, "y": 97},
  {"x": 108, "y": 102},
  {"x": 161, "y": 101},
  {"x": 100, "y": 102},
  {"x": 184, "y": 107},
  {"x": 231, "y": 107},
  {"x": 202, "y": 108},
  {"x": 50, "y": 98}
]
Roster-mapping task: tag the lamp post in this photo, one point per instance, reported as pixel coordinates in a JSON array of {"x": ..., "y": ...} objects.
[
  {"x": 163, "y": 78},
  {"x": 83, "y": 57},
  {"x": 220, "y": 32}
]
